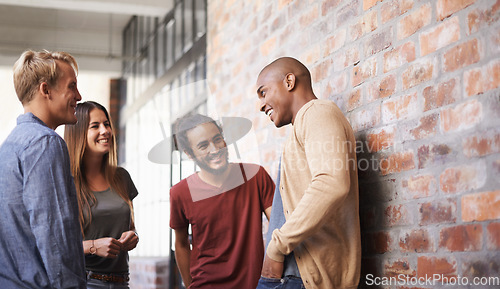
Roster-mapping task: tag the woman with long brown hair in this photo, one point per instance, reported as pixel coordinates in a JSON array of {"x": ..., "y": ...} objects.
[{"x": 105, "y": 193}]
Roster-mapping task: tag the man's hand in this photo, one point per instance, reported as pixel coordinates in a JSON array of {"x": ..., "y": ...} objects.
[{"x": 271, "y": 268}]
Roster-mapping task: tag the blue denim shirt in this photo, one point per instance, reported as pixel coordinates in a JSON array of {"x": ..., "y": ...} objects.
[
  {"x": 276, "y": 220},
  {"x": 40, "y": 238}
]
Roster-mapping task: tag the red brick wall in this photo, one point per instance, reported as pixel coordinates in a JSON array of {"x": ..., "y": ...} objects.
[{"x": 419, "y": 81}]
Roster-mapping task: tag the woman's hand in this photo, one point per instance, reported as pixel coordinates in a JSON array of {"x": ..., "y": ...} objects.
[
  {"x": 129, "y": 240},
  {"x": 107, "y": 247}
]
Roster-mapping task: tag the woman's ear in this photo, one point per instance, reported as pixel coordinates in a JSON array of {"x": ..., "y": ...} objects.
[{"x": 289, "y": 81}]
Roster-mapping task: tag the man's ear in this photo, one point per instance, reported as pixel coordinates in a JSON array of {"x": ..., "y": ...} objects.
[
  {"x": 289, "y": 81},
  {"x": 189, "y": 155},
  {"x": 43, "y": 88}
]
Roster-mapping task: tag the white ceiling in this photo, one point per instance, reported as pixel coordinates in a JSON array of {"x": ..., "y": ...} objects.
[{"x": 89, "y": 30}]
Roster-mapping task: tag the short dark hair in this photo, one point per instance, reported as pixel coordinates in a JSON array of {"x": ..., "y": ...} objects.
[{"x": 187, "y": 123}]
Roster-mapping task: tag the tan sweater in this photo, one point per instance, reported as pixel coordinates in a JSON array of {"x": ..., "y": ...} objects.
[{"x": 319, "y": 188}]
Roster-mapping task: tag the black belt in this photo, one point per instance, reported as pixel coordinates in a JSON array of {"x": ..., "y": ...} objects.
[{"x": 121, "y": 278}]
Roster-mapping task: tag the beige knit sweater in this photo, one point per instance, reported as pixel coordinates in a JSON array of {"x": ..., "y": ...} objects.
[{"x": 319, "y": 188}]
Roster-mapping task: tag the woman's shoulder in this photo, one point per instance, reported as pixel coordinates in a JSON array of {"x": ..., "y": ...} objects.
[{"x": 122, "y": 172}]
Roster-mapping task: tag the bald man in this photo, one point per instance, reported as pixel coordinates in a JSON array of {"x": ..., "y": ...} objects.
[{"x": 314, "y": 228}]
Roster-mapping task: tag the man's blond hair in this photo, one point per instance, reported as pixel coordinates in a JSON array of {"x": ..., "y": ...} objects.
[{"x": 33, "y": 68}]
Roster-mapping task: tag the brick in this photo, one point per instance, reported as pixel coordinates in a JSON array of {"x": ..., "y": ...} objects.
[
  {"x": 328, "y": 6},
  {"x": 417, "y": 240},
  {"x": 394, "y": 8},
  {"x": 481, "y": 144},
  {"x": 429, "y": 266},
  {"x": 444, "y": 93},
  {"x": 417, "y": 187},
  {"x": 378, "y": 242},
  {"x": 283, "y": 3},
  {"x": 461, "y": 238},
  {"x": 381, "y": 89},
  {"x": 427, "y": 127},
  {"x": 286, "y": 36},
  {"x": 493, "y": 236},
  {"x": 483, "y": 79},
  {"x": 397, "y": 57},
  {"x": 365, "y": 118},
  {"x": 397, "y": 215},
  {"x": 297, "y": 8},
  {"x": 337, "y": 84},
  {"x": 364, "y": 71},
  {"x": 439, "y": 36},
  {"x": 268, "y": 46},
  {"x": 320, "y": 71},
  {"x": 484, "y": 17},
  {"x": 230, "y": 3},
  {"x": 306, "y": 18},
  {"x": 482, "y": 265},
  {"x": 462, "y": 55},
  {"x": 445, "y": 8},
  {"x": 335, "y": 42},
  {"x": 367, "y": 4},
  {"x": 414, "y": 22},
  {"x": 380, "y": 139},
  {"x": 434, "y": 154},
  {"x": 347, "y": 57},
  {"x": 278, "y": 22},
  {"x": 418, "y": 72},
  {"x": 461, "y": 117},
  {"x": 317, "y": 32},
  {"x": 403, "y": 107},
  {"x": 493, "y": 37},
  {"x": 438, "y": 212},
  {"x": 463, "y": 178},
  {"x": 481, "y": 206},
  {"x": 397, "y": 162},
  {"x": 496, "y": 170},
  {"x": 347, "y": 12},
  {"x": 366, "y": 24},
  {"x": 395, "y": 268},
  {"x": 313, "y": 54},
  {"x": 354, "y": 100},
  {"x": 378, "y": 42}
]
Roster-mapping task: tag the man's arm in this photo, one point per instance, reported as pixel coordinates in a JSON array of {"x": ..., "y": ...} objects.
[
  {"x": 183, "y": 254},
  {"x": 50, "y": 199},
  {"x": 267, "y": 212}
]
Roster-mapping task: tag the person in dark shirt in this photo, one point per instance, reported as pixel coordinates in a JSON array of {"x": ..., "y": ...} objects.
[{"x": 105, "y": 194}]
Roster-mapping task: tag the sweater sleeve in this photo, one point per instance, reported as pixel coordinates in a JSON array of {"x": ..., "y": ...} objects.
[{"x": 321, "y": 134}]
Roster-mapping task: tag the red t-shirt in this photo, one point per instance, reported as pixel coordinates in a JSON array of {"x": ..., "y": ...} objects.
[{"x": 226, "y": 222}]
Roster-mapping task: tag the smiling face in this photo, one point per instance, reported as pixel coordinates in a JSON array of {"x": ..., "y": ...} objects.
[
  {"x": 274, "y": 97},
  {"x": 63, "y": 96},
  {"x": 99, "y": 133},
  {"x": 209, "y": 149}
]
